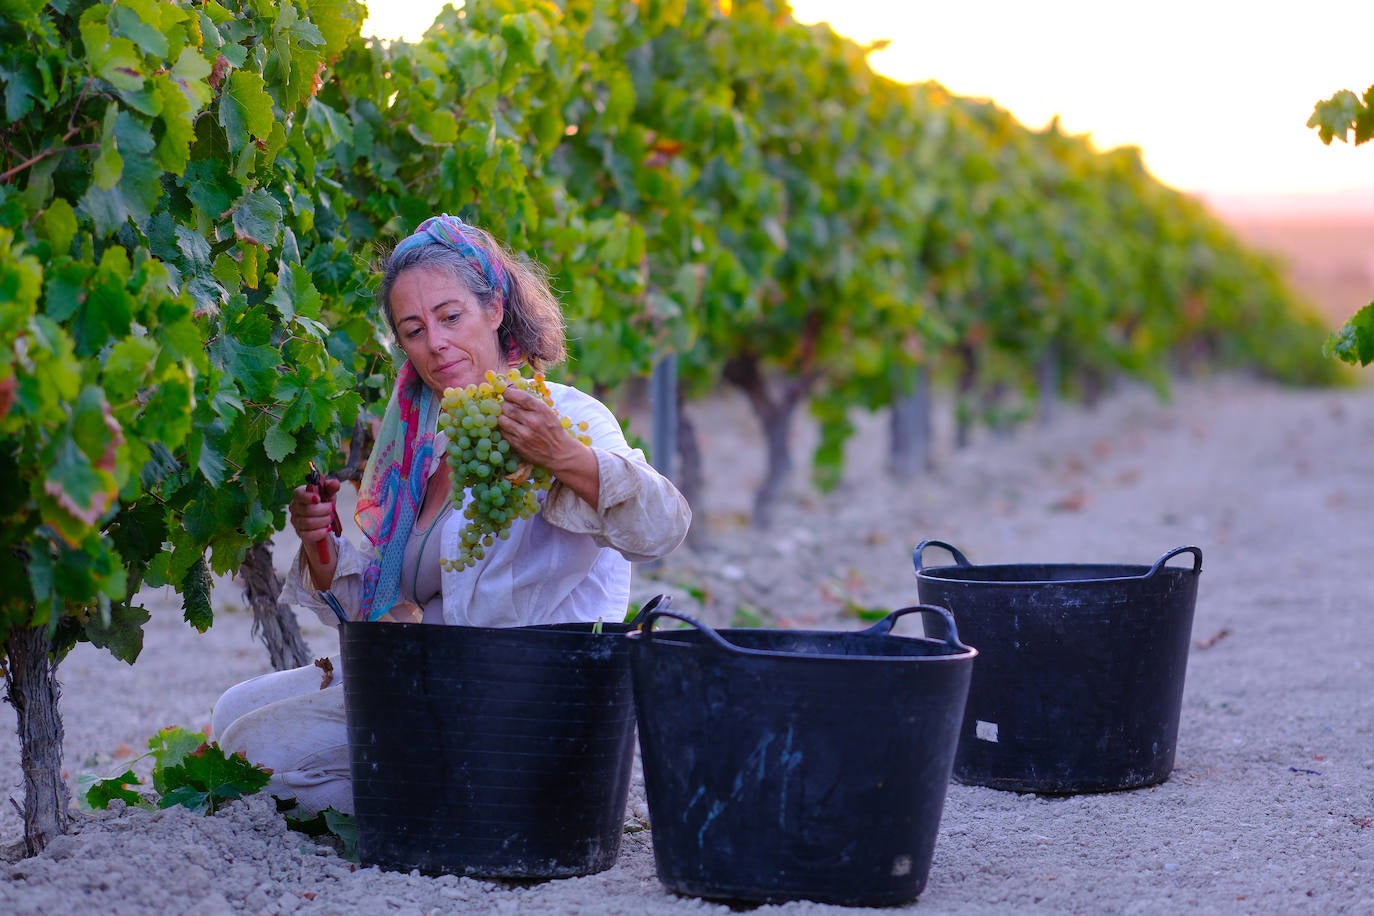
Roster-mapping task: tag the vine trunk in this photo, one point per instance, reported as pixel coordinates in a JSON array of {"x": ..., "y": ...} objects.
[
  {"x": 774, "y": 413},
  {"x": 32, "y": 689},
  {"x": 690, "y": 475},
  {"x": 274, "y": 622}
]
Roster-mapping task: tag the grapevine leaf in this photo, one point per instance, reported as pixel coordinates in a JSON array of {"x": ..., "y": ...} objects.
[
  {"x": 478, "y": 62},
  {"x": 41, "y": 575},
  {"x": 1354, "y": 342},
  {"x": 122, "y": 635},
  {"x": 210, "y": 187},
  {"x": 126, "y": 21},
  {"x": 162, "y": 475},
  {"x": 1364, "y": 118},
  {"x": 127, "y": 367},
  {"x": 22, "y": 11},
  {"x": 216, "y": 510},
  {"x": 254, "y": 368},
  {"x": 250, "y": 259},
  {"x": 188, "y": 797},
  {"x": 107, "y": 309},
  {"x": 194, "y": 251},
  {"x": 195, "y": 592},
  {"x": 1333, "y": 117},
  {"x": 23, "y": 87},
  {"x": 79, "y": 492},
  {"x": 257, "y": 218},
  {"x": 114, "y": 60},
  {"x": 169, "y": 747},
  {"x": 137, "y": 531},
  {"x": 108, "y": 165},
  {"x": 205, "y": 779},
  {"x": 66, "y": 289},
  {"x": 210, "y": 462},
  {"x": 103, "y": 791},
  {"x": 190, "y": 73},
  {"x": 59, "y": 225},
  {"x": 332, "y": 822},
  {"x": 337, "y": 21},
  {"x": 166, "y": 414},
  {"x": 178, "y": 129},
  {"x": 305, "y": 31},
  {"x": 245, "y": 109},
  {"x": 140, "y": 180},
  {"x": 281, "y": 293},
  {"x": 278, "y": 443},
  {"x": 435, "y": 128}
]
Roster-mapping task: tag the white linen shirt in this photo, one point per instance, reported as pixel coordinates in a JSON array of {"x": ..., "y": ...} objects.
[{"x": 568, "y": 562}]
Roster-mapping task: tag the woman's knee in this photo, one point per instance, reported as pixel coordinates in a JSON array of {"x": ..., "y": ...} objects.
[
  {"x": 280, "y": 734},
  {"x": 232, "y": 705},
  {"x": 263, "y": 690}
]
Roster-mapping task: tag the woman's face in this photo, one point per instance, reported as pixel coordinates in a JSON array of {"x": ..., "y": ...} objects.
[{"x": 449, "y": 338}]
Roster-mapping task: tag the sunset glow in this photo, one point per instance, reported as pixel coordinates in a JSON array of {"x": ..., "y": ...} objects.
[{"x": 1216, "y": 94}]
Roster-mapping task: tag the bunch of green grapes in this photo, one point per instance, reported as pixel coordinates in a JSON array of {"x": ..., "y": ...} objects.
[{"x": 504, "y": 487}]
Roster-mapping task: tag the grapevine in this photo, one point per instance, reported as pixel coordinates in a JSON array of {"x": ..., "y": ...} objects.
[{"x": 502, "y": 485}]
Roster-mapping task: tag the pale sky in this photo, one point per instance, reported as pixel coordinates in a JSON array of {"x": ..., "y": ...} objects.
[{"x": 1216, "y": 93}]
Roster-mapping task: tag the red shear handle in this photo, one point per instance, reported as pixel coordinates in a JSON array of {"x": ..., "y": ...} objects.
[
  {"x": 313, "y": 483},
  {"x": 322, "y": 551}
]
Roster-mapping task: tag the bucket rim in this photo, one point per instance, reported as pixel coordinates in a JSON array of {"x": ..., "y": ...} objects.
[
  {"x": 1139, "y": 572},
  {"x": 713, "y": 640},
  {"x": 568, "y": 636},
  {"x": 801, "y": 657}
]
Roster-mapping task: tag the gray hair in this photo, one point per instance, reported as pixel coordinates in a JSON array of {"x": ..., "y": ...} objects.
[{"x": 532, "y": 326}]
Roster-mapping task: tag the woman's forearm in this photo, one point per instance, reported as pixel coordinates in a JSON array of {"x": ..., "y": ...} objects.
[{"x": 639, "y": 512}]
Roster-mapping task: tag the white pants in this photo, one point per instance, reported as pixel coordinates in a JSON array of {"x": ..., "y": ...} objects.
[{"x": 285, "y": 722}]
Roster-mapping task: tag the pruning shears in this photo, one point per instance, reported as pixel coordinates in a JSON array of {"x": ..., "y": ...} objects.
[{"x": 314, "y": 481}]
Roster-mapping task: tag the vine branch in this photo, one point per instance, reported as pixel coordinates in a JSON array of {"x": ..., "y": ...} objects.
[{"x": 8, "y": 174}]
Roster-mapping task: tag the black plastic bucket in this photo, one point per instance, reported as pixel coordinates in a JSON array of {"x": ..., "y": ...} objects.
[
  {"x": 1080, "y": 674},
  {"x": 495, "y": 752},
  {"x": 788, "y": 764}
]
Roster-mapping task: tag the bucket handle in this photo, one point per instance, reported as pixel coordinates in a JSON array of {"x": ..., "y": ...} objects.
[
  {"x": 654, "y": 603},
  {"x": 646, "y": 626},
  {"x": 884, "y": 626},
  {"x": 1159, "y": 564},
  {"x": 329, "y": 598},
  {"x": 916, "y": 557}
]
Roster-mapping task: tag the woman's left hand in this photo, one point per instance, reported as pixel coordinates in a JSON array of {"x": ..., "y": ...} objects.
[
  {"x": 534, "y": 431},
  {"x": 536, "y": 434}
]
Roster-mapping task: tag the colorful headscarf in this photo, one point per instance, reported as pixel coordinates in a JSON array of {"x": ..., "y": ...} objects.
[
  {"x": 453, "y": 233},
  {"x": 393, "y": 486}
]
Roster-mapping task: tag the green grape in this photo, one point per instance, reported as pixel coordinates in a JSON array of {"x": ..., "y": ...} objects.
[{"x": 481, "y": 461}]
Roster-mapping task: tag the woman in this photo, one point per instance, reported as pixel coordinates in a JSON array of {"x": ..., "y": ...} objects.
[{"x": 459, "y": 305}]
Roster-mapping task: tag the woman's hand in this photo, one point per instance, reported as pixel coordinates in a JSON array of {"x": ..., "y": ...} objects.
[
  {"x": 535, "y": 432},
  {"x": 312, "y": 516}
]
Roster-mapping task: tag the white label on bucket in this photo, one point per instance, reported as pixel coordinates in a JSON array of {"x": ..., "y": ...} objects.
[{"x": 986, "y": 731}]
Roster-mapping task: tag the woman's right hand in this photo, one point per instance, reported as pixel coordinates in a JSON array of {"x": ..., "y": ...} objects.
[{"x": 311, "y": 512}]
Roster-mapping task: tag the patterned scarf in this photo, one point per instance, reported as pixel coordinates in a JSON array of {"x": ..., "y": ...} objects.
[{"x": 393, "y": 486}]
